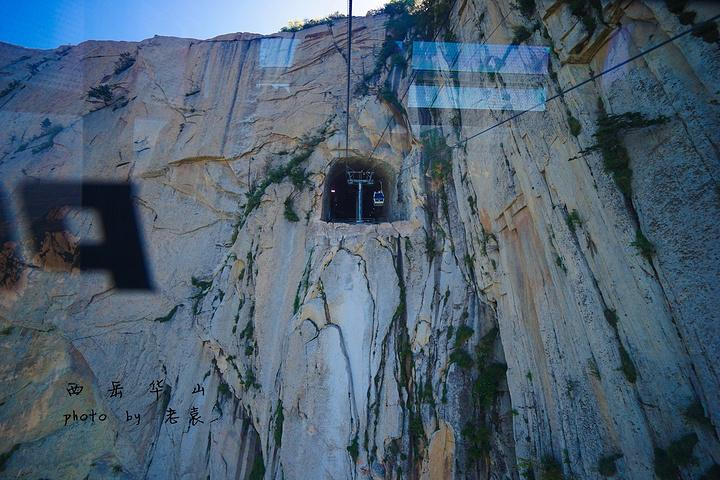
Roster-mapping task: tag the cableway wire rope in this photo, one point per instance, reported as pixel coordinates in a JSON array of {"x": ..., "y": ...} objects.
[
  {"x": 578, "y": 85},
  {"x": 349, "y": 55}
]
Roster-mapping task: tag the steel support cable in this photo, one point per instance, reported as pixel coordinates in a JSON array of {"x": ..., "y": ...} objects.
[
  {"x": 347, "y": 107},
  {"x": 586, "y": 81},
  {"x": 578, "y": 85}
]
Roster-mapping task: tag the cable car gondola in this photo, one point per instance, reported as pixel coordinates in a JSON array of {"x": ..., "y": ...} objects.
[{"x": 379, "y": 197}]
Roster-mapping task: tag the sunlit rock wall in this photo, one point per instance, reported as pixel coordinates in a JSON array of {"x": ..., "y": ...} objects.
[{"x": 472, "y": 339}]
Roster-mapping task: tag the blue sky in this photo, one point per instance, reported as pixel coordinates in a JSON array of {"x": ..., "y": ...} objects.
[{"x": 50, "y": 23}]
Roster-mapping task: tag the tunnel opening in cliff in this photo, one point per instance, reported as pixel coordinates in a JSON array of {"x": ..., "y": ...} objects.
[{"x": 340, "y": 197}]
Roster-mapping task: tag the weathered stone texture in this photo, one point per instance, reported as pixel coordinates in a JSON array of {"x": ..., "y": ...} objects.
[{"x": 332, "y": 350}]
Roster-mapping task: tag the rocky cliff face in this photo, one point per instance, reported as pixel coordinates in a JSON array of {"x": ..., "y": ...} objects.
[{"x": 505, "y": 324}]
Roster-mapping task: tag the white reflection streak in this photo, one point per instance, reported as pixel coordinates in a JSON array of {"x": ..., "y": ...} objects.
[
  {"x": 474, "y": 58},
  {"x": 480, "y": 58},
  {"x": 476, "y": 98},
  {"x": 277, "y": 52}
]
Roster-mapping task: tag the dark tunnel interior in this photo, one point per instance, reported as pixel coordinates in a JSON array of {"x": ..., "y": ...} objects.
[{"x": 341, "y": 198}]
